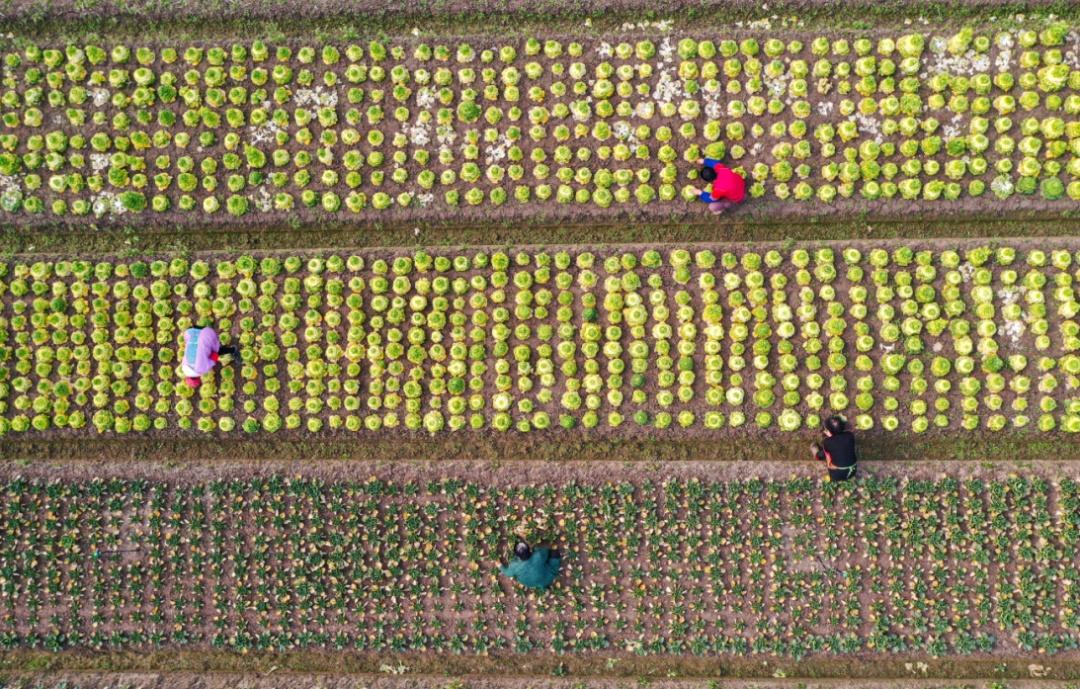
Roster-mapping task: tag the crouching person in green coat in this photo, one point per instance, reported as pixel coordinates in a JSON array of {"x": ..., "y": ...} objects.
[{"x": 533, "y": 568}]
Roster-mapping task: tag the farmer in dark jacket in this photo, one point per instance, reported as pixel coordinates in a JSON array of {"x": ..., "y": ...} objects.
[
  {"x": 726, "y": 187},
  {"x": 837, "y": 450},
  {"x": 533, "y": 568}
]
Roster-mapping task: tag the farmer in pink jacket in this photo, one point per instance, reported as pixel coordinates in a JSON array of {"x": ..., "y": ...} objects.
[{"x": 202, "y": 349}]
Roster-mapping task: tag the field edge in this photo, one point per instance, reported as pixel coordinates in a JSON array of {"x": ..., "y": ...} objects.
[
  {"x": 644, "y": 669},
  {"x": 514, "y": 447}
]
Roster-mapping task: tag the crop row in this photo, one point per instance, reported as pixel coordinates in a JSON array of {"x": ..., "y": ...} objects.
[
  {"x": 791, "y": 567},
  {"x": 90, "y": 130},
  {"x": 913, "y": 339}
]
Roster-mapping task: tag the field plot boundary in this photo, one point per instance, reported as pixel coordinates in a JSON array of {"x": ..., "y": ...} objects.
[
  {"x": 315, "y": 528},
  {"x": 522, "y": 14},
  {"x": 703, "y": 403},
  {"x": 848, "y": 672},
  {"x": 877, "y": 448},
  {"x": 273, "y": 678},
  {"x": 501, "y": 475},
  {"x": 56, "y": 241}
]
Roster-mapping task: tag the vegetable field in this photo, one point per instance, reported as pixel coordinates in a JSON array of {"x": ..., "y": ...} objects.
[
  {"x": 464, "y": 293},
  {"x": 558, "y": 124},
  {"x": 672, "y": 339},
  {"x": 762, "y": 567}
]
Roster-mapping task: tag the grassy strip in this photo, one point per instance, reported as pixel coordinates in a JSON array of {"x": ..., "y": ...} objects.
[
  {"x": 530, "y": 447},
  {"x": 328, "y": 20},
  {"x": 281, "y": 679},
  {"x": 132, "y": 241}
]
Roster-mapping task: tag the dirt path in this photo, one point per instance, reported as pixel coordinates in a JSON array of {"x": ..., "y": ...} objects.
[
  {"x": 502, "y": 474},
  {"x": 277, "y": 679}
]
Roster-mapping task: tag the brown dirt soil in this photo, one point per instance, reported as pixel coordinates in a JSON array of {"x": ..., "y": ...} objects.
[
  {"x": 752, "y": 212},
  {"x": 274, "y": 679},
  {"x": 923, "y": 673},
  {"x": 65, "y": 240},
  {"x": 505, "y": 474},
  {"x": 515, "y": 447}
]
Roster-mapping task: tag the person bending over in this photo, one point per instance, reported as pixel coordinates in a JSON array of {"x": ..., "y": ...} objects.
[
  {"x": 533, "y": 568},
  {"x": 837, "y": 450},
  {"x": 202, "y": 350},
  {"x": 726, "y": 187}
]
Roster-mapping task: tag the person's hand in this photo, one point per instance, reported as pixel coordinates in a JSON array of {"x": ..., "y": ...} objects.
[
  {"x": 695, "y": 189},
  {"x": 700, "y": 161}
]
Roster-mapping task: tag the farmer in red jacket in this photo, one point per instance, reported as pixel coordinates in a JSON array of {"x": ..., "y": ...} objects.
[{"x": 727, "y": 187}]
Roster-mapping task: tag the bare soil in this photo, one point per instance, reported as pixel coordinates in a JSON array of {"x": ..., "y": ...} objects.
[
  {"x": 496, "y": 474},
  {"x": 556, "y": 446},
  {"x": 65, "y": 240},
  {"x": 280, "y": 679},
  {"x": 537, "y": 669}
]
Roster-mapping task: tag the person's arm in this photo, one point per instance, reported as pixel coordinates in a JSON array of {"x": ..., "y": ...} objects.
[
  {"x": 710, "y": 162},
  {"x": 706, "y": 197},
  {"x": 190, "y": 357},
  {"x": 828, "y": 461},
  {"x": 828, "y": 457},
  {"x": 552, "y": 566},
  {"x": 213, "y": 342}
]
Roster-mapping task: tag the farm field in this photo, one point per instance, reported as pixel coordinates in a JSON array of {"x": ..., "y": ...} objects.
[
  {"x": 410, "y": 129},
  {"x": 463, "y": 294},
  {"x": 678, "y": 340},
  {"x": 404, "y": 559}
]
